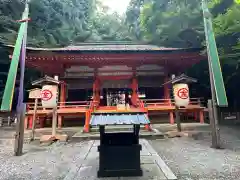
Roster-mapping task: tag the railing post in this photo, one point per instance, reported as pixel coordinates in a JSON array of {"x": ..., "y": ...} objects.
[
  {"x": 178, "y": 120},
  {"x": 59, "y": 121},
  {"x": 87, "y": 119},
  {"x": 30, "y": 121},
  {"x": 201, "y": 116},
  {"x": 34, "y": 118},
  {"x": 54, "y": 121}
]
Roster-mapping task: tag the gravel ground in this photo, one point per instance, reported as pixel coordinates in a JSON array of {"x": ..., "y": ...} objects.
[
  {"x": 189, "y": 159},
  {"x": 195, "y": 160},
  {"x": 46, "y": 163}
]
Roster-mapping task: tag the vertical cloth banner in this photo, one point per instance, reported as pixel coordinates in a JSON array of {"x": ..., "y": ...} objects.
[
  {"x": 19, "y": 49},
  {"x": 22, "y": 72},
  {"x": 215, "y": 66}
]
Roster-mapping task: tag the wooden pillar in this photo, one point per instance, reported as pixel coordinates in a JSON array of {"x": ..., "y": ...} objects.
[
  {"x": 63, "y": 101},
  {"x": 96, "y": 90},
  {"x": 166, "y": 92},
  {"x": 195, "y": 116},
  {"x": 30, "y": 122},
  {"x": 34, "y": 119},
  {"x": 134, "y": 96},
  {"x": 26, "y": 122},
  {"x": 171, "y": 118},
  {"x": 63, "y": 94},
  {"x": 87, "y": 122},
  {"x": 41, "y": 121},
  {"x": 54, "y": 122},
  {"x": 59, "y": 121},
  {"x": 178, "y": 120},
  {"x": 201, "y": 116}
]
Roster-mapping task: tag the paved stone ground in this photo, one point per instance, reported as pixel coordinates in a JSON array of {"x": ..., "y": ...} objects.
[
  {"x": 195, "y": 160},
  {"x": 189, "y": 159},
  {"x": 69, "y": 162}
]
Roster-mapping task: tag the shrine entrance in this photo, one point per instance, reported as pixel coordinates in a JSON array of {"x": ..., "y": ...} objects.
[{"x": 116, "y": 96}]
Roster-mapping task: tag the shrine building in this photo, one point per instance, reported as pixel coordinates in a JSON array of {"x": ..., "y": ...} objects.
[{"x": 112, "y": 77}]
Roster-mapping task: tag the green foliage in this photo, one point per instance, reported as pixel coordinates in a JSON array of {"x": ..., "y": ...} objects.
[
  {"x": 175, "y": 23},
  {"x": 169, "y": 22},
  {"x": 61, "y": 23}
]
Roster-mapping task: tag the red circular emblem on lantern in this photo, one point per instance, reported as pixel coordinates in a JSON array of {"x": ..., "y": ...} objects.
[
  {"x": 46, "y": 95},
  {"x": 183, "y": 93}
]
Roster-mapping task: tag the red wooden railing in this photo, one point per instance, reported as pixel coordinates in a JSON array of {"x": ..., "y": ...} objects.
[
  {"x": 61, "y": 105},
  {"x": 170, "y": 102},
  {"x": 91, "y": 105}
]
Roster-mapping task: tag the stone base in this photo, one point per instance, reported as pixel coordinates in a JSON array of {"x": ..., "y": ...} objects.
[
  {"x": 125, "y": 173},
  {"x": 192, "y": 134},
  {"x": 152, "y": 165},
  {"x": 50, "y": 138}
]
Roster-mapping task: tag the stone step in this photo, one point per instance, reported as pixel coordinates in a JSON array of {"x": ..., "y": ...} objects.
[{"x": 79, "y": 136}]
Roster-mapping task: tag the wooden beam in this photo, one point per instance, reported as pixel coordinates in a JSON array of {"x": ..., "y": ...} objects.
[
  {"x": 114, "y": 71},
  {"x": 122, "y": 77}
]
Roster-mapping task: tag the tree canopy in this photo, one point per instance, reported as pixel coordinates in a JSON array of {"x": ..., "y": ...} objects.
[
  {"x": 174, "y": 23},
  {"x": 61, "y": 23}
]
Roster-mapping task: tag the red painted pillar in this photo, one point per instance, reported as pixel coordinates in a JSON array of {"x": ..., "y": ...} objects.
[
  {"x": 134, "y": 97},
  {"x": 201, "y": 117},
  {"x": 171, "y": 118},
  {"x": 96, "y": 91},
  {"x": 63, "y": 101},
  {"x": 63, "y": 94},
  {"x": 87, "y": 122},
  {"x": 167, "y": 96},
  {"x": 30, "y": 122},
  {"x": 26, "y": 122}
]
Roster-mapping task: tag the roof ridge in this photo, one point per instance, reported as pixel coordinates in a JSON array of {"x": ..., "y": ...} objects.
[{"x": 112, "y": 43}]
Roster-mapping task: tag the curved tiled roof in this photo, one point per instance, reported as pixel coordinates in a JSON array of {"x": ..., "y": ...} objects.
[{"x": 108, "y": 47}]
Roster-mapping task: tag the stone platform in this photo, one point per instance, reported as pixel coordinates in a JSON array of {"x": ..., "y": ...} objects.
[
  {"x": 94, "y": 134},
  {"x": 152, "y": 165}
]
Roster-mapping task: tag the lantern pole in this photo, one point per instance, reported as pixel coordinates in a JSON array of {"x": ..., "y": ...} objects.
[
  {"x": 54, "y": 122},
  {"x": 34, "y": 118},
  {"x": 178, "y": 120}
]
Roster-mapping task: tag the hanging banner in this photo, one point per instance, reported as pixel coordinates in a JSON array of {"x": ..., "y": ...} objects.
[
  {"x": 7, "y": 98},
  {"x": 49, "y": 96},
  {"x": 214, "y": 63},
  {"x": 181, "y": 95}
]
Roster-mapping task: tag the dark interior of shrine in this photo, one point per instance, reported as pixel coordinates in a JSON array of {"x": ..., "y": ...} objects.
[{"x": 85, "y": 94}]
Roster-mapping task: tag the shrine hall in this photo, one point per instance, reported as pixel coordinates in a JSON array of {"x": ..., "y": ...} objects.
[{"x": 112, "y": 77}]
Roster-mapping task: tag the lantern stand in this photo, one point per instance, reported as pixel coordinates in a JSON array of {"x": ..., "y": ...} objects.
[
  {"x": 181, "y": 94},
  {"x": 34, "y": 94},
  {"x": 50, "y": 85}
]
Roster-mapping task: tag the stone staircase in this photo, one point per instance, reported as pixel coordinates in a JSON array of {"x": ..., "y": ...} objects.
[{"x": 94, "y": 134}]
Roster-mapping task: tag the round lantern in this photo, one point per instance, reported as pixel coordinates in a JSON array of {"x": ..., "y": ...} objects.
[
  {"x": 181, "y": 95},
  {"x": 49, "y": 94}
]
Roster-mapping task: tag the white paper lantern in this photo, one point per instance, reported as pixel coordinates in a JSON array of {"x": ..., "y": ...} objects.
[
  {"x": 49, "y": 96},
  {"x": 181, "y": 95}
]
